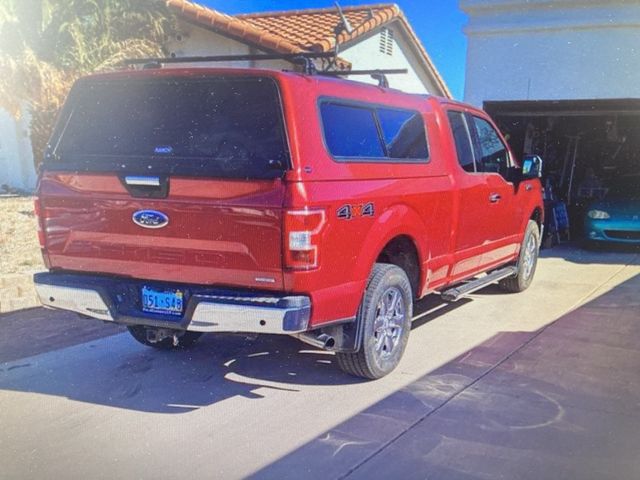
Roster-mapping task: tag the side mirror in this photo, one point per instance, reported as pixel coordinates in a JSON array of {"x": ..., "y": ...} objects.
[{"x": 531, "y": 167}]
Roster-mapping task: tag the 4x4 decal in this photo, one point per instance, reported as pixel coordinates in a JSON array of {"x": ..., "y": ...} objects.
[{"x": 347, "y": 212}]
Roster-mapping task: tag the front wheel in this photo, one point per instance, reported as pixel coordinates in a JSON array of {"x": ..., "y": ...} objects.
[
  {"x": 527, "y": 261},
  {"x": 385, "y": 315},
  {"x": 163, "y": 339}
]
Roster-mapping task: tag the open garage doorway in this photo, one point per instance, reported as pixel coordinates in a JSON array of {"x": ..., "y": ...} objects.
[{"x": 587, "y": 146}]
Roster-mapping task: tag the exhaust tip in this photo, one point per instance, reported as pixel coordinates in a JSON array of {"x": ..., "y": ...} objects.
[
  {"x": 324, "y": 341},
  {"x": 329, "y": 343}
]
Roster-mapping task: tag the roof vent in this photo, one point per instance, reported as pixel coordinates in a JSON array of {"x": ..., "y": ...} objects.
[{"x": 386, "y": 41}]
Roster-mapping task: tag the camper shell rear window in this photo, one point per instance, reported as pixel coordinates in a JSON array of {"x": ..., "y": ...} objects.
[{"x": 209, "y": 126}]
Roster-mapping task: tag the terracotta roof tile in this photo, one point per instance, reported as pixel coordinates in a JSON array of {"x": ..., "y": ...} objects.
[
  {"x": 314, "y": 29},
  {"x": 296, "y": 31},
  {"x": 231, "y": 26}
]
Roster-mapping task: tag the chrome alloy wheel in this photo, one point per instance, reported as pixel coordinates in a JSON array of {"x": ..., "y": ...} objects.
[
  {"x": 529, "y": 258},
  {"x": 389, "y": 322}
]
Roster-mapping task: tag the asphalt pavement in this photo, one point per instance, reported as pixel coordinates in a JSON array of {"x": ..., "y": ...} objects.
[{"x": 542, "y": 384}]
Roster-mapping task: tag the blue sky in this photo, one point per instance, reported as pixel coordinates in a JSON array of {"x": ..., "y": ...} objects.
[{"x": 438, "y": 23}]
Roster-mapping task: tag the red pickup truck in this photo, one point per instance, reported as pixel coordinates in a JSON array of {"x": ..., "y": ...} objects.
[{"x": 184, "y": 201}]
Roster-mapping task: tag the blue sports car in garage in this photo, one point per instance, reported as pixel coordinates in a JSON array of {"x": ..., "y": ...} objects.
[{"x": 616, "y": 218}]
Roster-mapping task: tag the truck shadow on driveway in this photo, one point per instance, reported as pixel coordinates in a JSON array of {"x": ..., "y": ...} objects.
[{"x": 116, "y": 371}]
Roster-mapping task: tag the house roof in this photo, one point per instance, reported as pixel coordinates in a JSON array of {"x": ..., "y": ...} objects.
[
  {"x": 296, "y": 31},
  {"x": 314, "y": 29}
]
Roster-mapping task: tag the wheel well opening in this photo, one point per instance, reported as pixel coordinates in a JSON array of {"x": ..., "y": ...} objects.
[
  {"x": 536, "y": 216},
  {"x": 402, "y": 252}
]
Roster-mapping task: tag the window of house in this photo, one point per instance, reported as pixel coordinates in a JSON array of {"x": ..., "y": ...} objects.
[
  {"x": 462, "y": 139},
  {"x": 493, "y": 153}
]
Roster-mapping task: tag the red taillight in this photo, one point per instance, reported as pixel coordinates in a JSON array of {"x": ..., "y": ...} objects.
[
  {"x": 302, "y": 230},
  {"x": 37, "y": 209}
]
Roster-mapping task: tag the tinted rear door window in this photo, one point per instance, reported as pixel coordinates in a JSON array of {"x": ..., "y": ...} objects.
[{"x": 230, "y": 127}]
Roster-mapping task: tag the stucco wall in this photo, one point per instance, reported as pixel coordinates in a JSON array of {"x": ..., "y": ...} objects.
[
  {"x": 366, "y": 55},
  {"x": 16, "y": 158},
  {"x": 197, "y": 41},
  {"x": 552, "y": 50}
]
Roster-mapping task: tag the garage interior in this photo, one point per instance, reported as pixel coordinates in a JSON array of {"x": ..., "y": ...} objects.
[{"x": 584, "y": 145}]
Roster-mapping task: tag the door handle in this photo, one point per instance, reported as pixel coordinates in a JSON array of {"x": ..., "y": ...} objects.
[
  {"x": 528, "y": 187},
  {"x": 494, "y": 197}
]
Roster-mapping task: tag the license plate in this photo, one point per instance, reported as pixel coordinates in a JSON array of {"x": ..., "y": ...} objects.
[{"x": 168, "y": 302}]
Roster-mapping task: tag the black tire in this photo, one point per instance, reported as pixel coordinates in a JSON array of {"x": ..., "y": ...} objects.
[
  {"x": 381, "y": 352},
  {"x": 185, "y": 339},
  {"x": 527, "y": 261}
]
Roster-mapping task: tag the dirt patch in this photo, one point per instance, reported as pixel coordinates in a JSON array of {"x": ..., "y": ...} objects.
[{"x": 19, "y": 249}]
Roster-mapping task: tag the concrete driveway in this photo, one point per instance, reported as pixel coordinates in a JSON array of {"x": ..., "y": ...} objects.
[{"x": 488, "y": 388}]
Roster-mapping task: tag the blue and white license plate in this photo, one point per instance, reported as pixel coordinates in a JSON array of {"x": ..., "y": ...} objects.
[{"x": 168, "y": 302}]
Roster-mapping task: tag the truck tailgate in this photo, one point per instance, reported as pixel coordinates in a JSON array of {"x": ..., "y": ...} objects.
[{"x": 222, "y": 232}]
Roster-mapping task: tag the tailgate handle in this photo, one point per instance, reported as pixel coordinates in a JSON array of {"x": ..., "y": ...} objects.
[
  {"x": 146, "y": 186},
  {"x": 142, "y": 181}
]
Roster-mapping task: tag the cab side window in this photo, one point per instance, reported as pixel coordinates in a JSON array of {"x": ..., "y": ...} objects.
[
  {"x": 493, "y": 156},
  {"x": 462, "y": 139}
]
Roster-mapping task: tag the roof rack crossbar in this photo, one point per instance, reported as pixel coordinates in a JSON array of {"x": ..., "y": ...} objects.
[
  {"x": 380, "y": 74},
  {"x": 302, "y": 58},
  {"x": 229, "y": 58},
  {"x": 339, "y": 73}
]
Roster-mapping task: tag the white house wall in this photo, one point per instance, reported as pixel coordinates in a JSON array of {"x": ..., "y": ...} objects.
[
  {"x": 197, "y": 41},
  {"x": 552, "y": 50},
  {"x": 366, "y": 55},
  {"x": 16, "y": 158}
]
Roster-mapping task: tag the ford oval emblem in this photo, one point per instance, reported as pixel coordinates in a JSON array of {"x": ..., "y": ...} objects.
[{"x": 150, "y": 219}]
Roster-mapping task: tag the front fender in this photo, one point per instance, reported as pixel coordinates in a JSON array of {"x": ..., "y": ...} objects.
[{"x": 533, "y": 202}]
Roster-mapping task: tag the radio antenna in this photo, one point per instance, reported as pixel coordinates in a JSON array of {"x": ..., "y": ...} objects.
[
  {"x": 344, "y": 23},
  {"x": 342, "y": 26}
]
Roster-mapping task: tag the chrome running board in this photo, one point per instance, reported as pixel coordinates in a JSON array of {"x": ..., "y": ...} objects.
[{"x": 456, "y": 293}]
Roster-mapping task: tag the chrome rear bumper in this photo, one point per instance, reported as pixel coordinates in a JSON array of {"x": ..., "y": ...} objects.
[{"x": 207, "y": 310}]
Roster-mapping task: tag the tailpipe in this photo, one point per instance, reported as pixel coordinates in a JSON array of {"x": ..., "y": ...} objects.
[{"x": 321, "y": 340}]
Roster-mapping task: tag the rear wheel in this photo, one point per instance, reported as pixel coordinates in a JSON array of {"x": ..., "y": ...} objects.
[
  {"x": 527, "y": 261},
  {"x": 385, "y": 315},
  {"x": 163, "y": 338}
]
